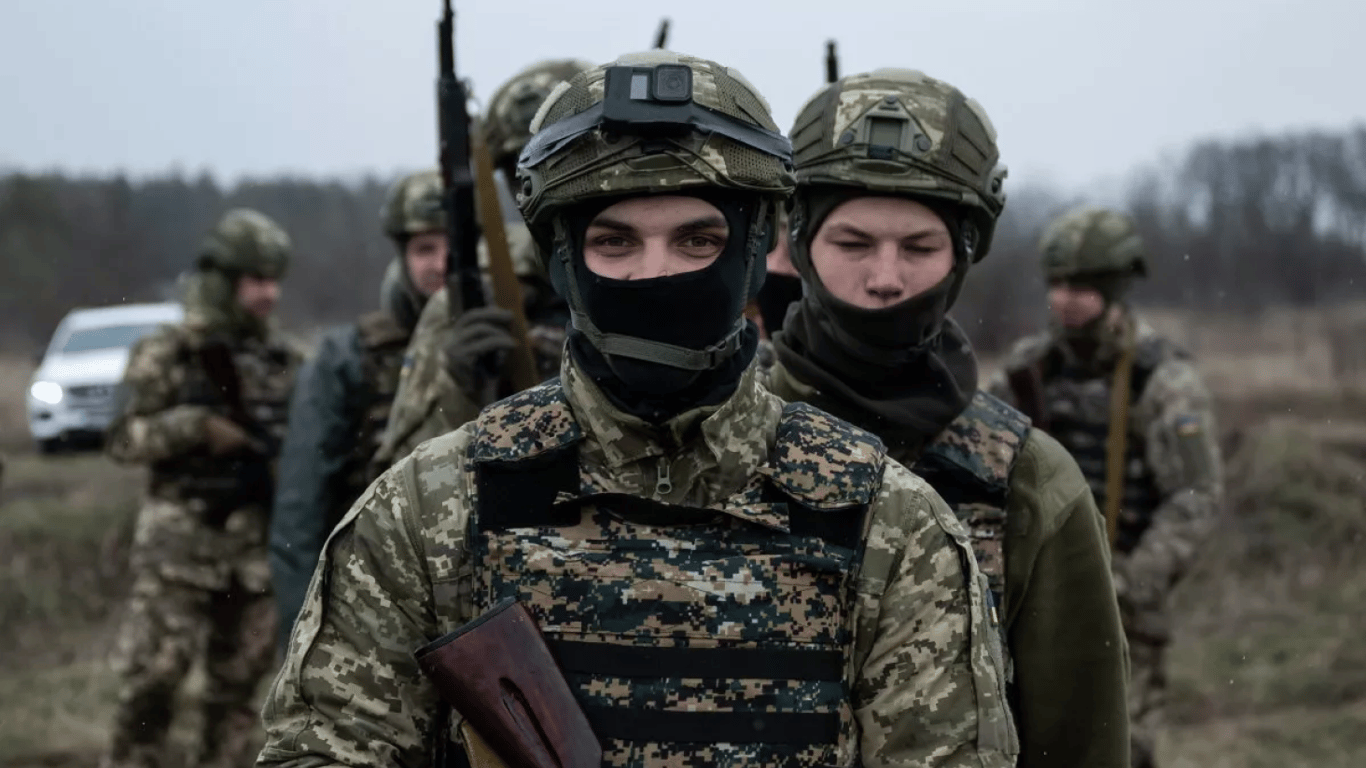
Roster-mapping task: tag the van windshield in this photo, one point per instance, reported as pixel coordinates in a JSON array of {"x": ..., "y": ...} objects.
[{"x": 108, "y": 337}]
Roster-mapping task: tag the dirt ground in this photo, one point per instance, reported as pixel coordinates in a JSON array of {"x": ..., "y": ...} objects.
[{"x": 1268, "y": 667}]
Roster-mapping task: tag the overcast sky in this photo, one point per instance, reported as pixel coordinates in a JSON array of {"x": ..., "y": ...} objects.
[{"x": 1080, "y": 90}]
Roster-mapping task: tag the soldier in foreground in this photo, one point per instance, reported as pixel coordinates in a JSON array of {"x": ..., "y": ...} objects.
[
  {"x": 205, "y": 410},
  {"x": 884, "y": 229},
  {"x": 1133, "y": 411},
  {"x": 656, "y": 498},
  {"x": 455, "y": 368},
  {"x": 341, "y": 405}
]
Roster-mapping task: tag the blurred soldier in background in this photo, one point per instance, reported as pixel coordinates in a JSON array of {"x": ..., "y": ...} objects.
[
  {"x": 450, "y": 365},
  {"x": 891, "y": 211},
  {"x": 204, "y": 407},
  {"x": 1137, "y": 417},
  {"x": 342, "y": 401}
]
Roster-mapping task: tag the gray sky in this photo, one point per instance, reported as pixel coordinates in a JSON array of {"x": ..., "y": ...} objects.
[{"x": 1080, "y": 90}]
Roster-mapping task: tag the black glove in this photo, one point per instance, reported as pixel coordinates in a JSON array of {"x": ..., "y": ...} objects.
[{"x": 480, "y": 342}]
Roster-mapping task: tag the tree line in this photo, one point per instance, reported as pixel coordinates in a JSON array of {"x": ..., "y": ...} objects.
[{"x": 1230, "y": 226}]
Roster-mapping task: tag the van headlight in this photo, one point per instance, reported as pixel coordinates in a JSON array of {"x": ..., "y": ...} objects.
[{"x": 49, "y": 392}]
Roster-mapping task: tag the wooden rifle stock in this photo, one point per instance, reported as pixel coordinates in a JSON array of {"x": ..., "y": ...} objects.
[
  {"x": 507, "y": 291},
  {"x": 498, "y": 673}
]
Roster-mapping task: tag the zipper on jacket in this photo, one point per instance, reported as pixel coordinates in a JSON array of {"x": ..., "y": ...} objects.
[{"x": 663, "y": 485}]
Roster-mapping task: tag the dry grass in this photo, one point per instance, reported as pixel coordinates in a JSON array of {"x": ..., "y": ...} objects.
[{"x": 15, "y": 372}]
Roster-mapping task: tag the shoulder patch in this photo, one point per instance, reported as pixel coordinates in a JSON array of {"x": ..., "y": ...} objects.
[
  {"x": 525, "y": 425},
  {"x": 984, "y": 440},
  {"x": 378, "y": 329},
  {"x": 824, "y": 462}
]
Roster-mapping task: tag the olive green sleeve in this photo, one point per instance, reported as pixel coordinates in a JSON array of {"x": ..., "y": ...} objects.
[{"x": 1062, "y": 620}]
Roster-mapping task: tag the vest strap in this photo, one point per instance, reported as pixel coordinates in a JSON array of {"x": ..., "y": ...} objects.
[
  {"x": 713, "y": 727},
  {"x": 610, "y": 660}
]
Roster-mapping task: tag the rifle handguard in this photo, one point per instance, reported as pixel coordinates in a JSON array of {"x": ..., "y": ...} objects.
[{"x": 498, "y": 673}]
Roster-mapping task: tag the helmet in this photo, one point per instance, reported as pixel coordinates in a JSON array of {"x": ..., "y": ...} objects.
[
  {"x": 645, "y": 123},
  {"x": 901, "y": 132},
  {"x": 507, "y": 126},
  {"x": 413, "y": 205},
  {"x": 1092, "y": 242},
  {"x": 521, "y": 248},
  {"x": 246, "y": 242}
]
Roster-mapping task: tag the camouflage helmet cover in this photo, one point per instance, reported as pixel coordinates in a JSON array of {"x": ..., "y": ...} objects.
[
  {"x": 246, "y": 241},
  {"x": 901, "y": 132},
  {"x": 561, "y": 166},
  {"x": 413, "y": 205},
  {"x": 507, "y": 125},
  {"x": 1091, "y": 241}
]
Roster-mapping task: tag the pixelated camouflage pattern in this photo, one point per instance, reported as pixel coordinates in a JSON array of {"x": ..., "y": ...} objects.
[
  {"x": 596, "y": 165},
  {"x": 945, "y": 143},
  {"x": 1031, "y": 514},
  {"x": 983, "y": 442},
  {"x": 246, "y": 241},
  {"x": 198, "y": 569},
  {"x": 1172, "y": 423},
  {"x": 1086, "y": 241},
  {"x": 507, "y": 123},
  {"x": 413, "y": 205},
  {"x": 398, "y": 573},
  {"x": 428, "y": 402}
]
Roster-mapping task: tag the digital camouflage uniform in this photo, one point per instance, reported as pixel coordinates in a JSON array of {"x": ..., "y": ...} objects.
[
  {"x": 429, "y": 401},
  {"x": 341, "y": 405},
  {"x": 806, "y": 602},
  {"x": 1035, "y": 529},
  {"x": 1172, "y": 484},
  {"x": 201, "y": 583}
]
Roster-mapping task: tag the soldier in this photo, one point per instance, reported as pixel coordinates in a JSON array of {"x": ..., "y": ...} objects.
[
  {"x": 655, "y": 497},
  {"x": 889, "y": 214},
  {"x": 1133, "y": 411},
  {"x": 450, "y": 364},
  {"x": 205, "y": 409},
  {"x": 341, "y": 405}
]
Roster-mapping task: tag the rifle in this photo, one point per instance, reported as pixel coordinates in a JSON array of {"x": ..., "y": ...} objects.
[
  {"x": 460, "y": 145},
  {"x": 498, "y": 673},
  {"x": 832, "y": 62},
  {"x": 662, "y": 36},
  {"x": 453, "y": 126}
]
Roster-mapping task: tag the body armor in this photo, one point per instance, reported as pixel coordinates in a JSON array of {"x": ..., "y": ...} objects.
[
  {"x": 250, "y": 383},
  {"x": 969, "y": 465},
  {"x": 1077, "y": 413},
  {"x": 729, "y": 626},
  {"x": 383, "y": 342}
]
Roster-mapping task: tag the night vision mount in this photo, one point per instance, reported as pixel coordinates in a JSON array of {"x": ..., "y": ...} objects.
[{"x": 652, "y": 102}]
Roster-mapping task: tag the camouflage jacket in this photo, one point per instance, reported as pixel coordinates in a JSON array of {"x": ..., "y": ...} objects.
[
  {"x": 398, "y": 573},
  {"x": 1173, "y": 481},
  {"x": 336, "y": 418},
  {"x": 195, "y": 526},
  {"x": 429, "y": 402},
  {"x": 1039, "y": 537}
]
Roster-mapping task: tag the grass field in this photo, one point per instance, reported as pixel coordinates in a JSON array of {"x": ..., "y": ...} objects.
[{"x": 1268, "y": 667}]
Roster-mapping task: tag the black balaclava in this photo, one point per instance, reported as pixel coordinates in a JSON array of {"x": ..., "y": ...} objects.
[
  {"x": 693, "y": 310},
  {"x": 776, "y": 297},
  {"x": 903, "y": 371}
]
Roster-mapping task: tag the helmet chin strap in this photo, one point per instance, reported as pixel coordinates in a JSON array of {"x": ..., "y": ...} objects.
[{"x": 637, "y": 348}]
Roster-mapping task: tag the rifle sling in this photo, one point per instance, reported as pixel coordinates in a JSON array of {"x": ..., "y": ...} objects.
[{"x": 609, "y": 660}]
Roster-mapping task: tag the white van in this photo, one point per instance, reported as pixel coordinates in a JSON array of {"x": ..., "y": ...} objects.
[{"x": 74, "y": 390}]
